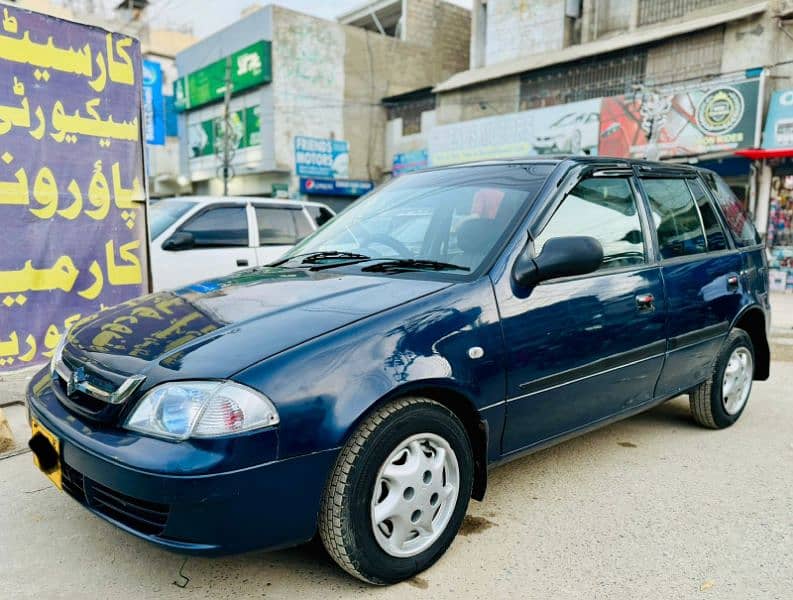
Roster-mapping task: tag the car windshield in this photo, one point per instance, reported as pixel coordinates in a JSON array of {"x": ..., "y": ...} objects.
[
  {"x": 453, "y": 216},
  {"x": 164, "y": 213}
]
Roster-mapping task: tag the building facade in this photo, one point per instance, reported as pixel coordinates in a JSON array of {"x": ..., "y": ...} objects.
[
  {"x": 310, "y": 122},
  {"x": 663, "y": 79}
]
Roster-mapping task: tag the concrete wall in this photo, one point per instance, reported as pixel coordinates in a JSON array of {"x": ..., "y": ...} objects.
[
  {"x": 500, "y": 96},
  {"x": 444, "y": 27},
  {"x": 518, "y": 28},
  {"x": 395, "y": 142}
]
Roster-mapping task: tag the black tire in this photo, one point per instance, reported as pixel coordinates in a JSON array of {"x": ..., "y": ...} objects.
[
  {"x": 344, "y": 520},
  {"x": 707, "y": 405}
]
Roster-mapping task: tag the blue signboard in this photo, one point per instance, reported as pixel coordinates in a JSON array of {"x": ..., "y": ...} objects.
[
  {"x": 153, "y": 104},
  {"x": 171, "y": 117},
  {"x": 779, "y": 123},
  {"x": 405, "y": 162},
  {"x": 334, "y": 187},
  {"x": 321, "y": 157}
]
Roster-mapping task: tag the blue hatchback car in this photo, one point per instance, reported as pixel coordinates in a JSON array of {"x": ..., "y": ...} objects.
[{"x": 362, "y": 387}]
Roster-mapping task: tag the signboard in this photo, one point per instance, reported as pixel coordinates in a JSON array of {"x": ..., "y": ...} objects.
[
  {"x": 334, "y": 187},
  {"x": 171, "y": 120},
  {"x": 250, "y": 67},
  {"x": 71, "y": 179},
  {"x": 321, "y": 157},
  {"x": 153, "y": 104},
  {"x": 405, "y": 162},
  {"x": 566, "y": 128},
  {"x": 206, "y": 137},
  {"x": 778, "y": 131},
  {"x": 711, "y": 118}
]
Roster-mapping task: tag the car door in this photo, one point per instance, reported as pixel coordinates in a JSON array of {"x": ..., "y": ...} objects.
[
  {"x": 278, "y": 228},
  {"x": 702, "y": 277},
  {"x": 213, "y": 242},
  {"x": 581, "y": 349}
]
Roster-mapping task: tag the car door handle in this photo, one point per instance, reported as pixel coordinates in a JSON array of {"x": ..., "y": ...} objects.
[
  {"x": 645, "y": 303},
  {"x": 732, "y": 282},
  {"x": 242, "y": 262}
]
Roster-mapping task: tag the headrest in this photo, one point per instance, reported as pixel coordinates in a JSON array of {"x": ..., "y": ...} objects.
[{"x": 477, "y": 235}]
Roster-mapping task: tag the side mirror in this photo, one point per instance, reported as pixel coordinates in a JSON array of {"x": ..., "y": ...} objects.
[
  {"x": 560, "y": 257},
  {"x": 181, "y": 240}
]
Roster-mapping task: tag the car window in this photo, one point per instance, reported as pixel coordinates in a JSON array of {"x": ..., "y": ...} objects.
[
  {"x": 454, "y": 215},
  {"x": 219, "y": 227},
  {"x": 606, "y": 210},
  {"x": 675, "y": 217},
  {"x": 738, "y": 221},
  {"x": 717, "y": 240},
  {"x": 164, "y": 213},
  {"x": 320, "y": 214},
  {"x": 302, "y": 224},
  {"x": 276, "y": 225}
]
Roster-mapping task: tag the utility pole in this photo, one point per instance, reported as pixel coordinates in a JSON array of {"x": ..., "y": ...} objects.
[{"x": 226, "y": 128}]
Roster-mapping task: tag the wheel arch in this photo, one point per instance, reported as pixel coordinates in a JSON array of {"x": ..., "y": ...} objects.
[
  {"x": 461, "y": 405},
  {"x": 752, "y": 320}
]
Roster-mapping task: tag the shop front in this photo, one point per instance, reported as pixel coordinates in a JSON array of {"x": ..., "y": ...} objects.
[{"x": 775, "y": 209}]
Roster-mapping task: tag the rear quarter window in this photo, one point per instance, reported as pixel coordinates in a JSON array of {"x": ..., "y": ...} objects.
[{"x": 739, "y": 222}]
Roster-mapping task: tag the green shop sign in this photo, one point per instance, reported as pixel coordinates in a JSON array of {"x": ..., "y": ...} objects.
[
  {"x": 206, "y": 137},
  {"x": 250, "y": 67}
]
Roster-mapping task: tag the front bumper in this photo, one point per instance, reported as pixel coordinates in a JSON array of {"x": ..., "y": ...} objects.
[{"x": 264, "y": 506}]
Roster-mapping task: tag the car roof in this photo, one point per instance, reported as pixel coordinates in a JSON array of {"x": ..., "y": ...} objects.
[
  {"x": 206, "y": 200},
  {"x": 584, "y": 160}
]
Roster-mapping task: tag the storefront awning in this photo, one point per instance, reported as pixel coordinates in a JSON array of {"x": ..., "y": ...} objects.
[{"x": 760, "y": 153}]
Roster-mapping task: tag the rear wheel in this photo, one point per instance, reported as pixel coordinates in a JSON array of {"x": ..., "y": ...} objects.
[
  {"x": 398, "y": 492},
  {"x": 719, "y": 402}
]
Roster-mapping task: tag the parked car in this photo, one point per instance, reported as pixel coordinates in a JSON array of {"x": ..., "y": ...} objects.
[
  {"x": 195, "y": 237},
  {"x": 362, "y": 386},
  {"x": 574, "y": 133}
]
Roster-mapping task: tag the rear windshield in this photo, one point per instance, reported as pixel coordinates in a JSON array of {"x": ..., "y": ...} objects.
[{"x": 164, "y": 213}]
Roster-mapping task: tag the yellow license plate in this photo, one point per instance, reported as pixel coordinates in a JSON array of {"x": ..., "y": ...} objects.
[{"x": 46, "y": 450}]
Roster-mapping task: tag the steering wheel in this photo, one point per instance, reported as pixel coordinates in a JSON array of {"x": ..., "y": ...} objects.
[{"x": 387, "y": 240}]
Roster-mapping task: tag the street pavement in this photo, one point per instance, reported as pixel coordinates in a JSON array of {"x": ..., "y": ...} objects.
[{"x": 653, "y": 507}]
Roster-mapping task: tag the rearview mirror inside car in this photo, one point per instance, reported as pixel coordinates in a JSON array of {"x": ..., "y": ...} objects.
[{"x": 560, "y": 257}]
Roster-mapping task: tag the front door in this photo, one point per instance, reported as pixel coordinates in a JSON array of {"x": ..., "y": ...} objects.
[{"x": 581, "y": 349}]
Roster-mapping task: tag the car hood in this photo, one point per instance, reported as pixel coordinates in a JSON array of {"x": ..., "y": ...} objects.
[{"x": 215, "y": 328}]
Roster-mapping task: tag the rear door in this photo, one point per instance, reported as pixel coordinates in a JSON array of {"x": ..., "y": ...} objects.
[
  {"x": 581, "y": 349},
  {"x": 277, "y": 229},
  {"x": 221, "y": 244},
  {"x": 702, "y": 277}
]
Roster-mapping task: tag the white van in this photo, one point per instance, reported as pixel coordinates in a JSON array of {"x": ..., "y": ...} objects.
[{"x": 198, "y": 237}]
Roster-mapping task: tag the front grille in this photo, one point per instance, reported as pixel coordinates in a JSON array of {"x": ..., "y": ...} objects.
[
  {"x": 73, "y": 483},
  {"x": 146, "y": 517}
]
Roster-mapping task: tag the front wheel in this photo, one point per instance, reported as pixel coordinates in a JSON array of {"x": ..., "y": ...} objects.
[
  {"x": 398, "y": 491},
  {"x": 719, "y": 402}
]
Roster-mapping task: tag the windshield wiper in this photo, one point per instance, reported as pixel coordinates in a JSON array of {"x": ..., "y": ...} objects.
[
  {"x": 412, "y": 264},
  {"x": 313, "y": 258}
]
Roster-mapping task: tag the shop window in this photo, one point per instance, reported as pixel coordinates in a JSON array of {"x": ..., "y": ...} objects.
[
  {"x": 606, "y": 210},
  {"x": 656, "y": 11},
  {"x": 676, "y": 217}
]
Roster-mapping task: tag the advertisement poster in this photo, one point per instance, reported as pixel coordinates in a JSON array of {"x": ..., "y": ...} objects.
[
  {"x": 778, "y": 131},
  {"x": 206, "y": 137},
  {"x": 250, "y": 67},
  {"x": 566, "y": 128},
  {"x": 322, "y": 157},
  {"x": 71, "y": 179},
  {"x": 405, "y": 162},
  {"x": 712, "y": 118},
  {"x": 153, "y": 104},
  {"x": 335, "y": 187}
]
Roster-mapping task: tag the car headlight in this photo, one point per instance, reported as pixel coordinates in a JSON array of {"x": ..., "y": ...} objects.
[
  {"x": 201, "y": 409},
  {"x": 57, "y": 354}
]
